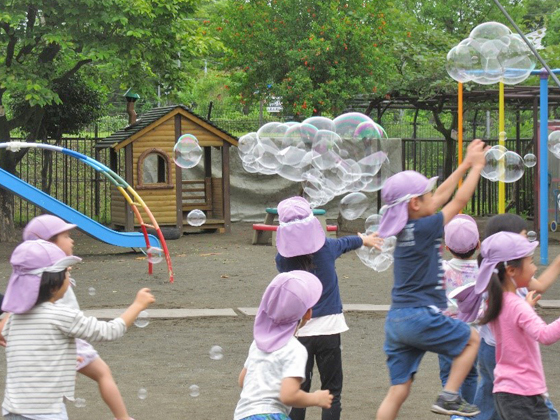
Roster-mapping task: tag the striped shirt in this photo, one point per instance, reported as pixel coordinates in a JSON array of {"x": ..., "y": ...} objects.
[{"x": 41, "y": 355}]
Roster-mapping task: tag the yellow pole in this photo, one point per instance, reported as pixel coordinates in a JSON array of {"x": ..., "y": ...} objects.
[
  {"x": 460, "y": 124},
  {"x": 502, "y": 142}
]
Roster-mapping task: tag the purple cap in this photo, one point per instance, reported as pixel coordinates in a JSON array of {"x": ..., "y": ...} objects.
[
  {"x": 285, "y": 301},
  {"x": 299, "y": 233},
  {"x": 501, "y": 247},
  {"x": 396, "y": 193},
  {"x": 461, "y": 234},
  {"x": 29, "y": 261},
  {"x": 45, "y": 227}
]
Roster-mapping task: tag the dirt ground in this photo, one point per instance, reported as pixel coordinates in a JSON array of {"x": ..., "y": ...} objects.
[{"x": 226, "y": 271}]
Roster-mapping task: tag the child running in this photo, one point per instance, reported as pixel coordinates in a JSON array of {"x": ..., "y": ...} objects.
[
  {"x": 53, "y": 229},
  {"x": 302, "y": 245},
  {"x": 41, "y": 332},
  {"x": 519, "y": 382},
  {"x": 415, "y": 323},
  {"x": 275, "y": 367}
]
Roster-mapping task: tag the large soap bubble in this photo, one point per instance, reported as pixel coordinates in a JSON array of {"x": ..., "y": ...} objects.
[
  {"x": 491, "y": 54},
  {"x": 187, "y": 152},
  {"x": 503, "y": 165},
  {"x": 353, "y": 205},
  {"x": 554, "y": 143}
]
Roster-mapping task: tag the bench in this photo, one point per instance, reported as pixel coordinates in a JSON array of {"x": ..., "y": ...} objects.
[{"x": 260, "y": 229}]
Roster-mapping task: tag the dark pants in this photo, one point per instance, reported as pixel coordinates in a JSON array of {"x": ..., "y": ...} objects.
[
  {"x": 520, "y": 407},
  {"x": 326, "y": 350}
]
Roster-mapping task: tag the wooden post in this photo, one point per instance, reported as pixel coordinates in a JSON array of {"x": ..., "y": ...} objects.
[
  {"x": 129, "y": 177},
  {"x": 225, "y": 187},
  {"x": 178, "y": 182}
]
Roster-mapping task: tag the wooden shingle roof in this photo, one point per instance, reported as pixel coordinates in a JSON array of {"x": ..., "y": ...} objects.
[{"x": 151, "y": 117}]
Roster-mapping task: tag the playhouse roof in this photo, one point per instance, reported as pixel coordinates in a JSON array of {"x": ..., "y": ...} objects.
[{"x": 155, "y": 117}]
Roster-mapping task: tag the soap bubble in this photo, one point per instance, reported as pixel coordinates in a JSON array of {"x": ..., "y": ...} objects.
[
  {"x": 216, "y": 353},
  {"x": 194, "y": 391},
  {"x": 382, "y": 262},
  {"x": 142, "y": 320},
  {"x": 367, "y": 255},
  {"x": 155, "y": 254},
  {"x": 142, "y": 393},
  {"x": 494, "y": 168},
  {"x": 530, "y": 160},
  {"x": 80, "y": 402},
  {"x": 389, "y": 245},
  {"x": 532, "y": 236},
  {"x": 91, "y": 291},
  {"x": 353, "y": 205},
  {"x": 372, "y": 223},
  {"x": 196, "y": 218},
  {"x": 554, "y": 143},
  {"x": 187, "y": 152},
  {"x": 514, "y": 167}
]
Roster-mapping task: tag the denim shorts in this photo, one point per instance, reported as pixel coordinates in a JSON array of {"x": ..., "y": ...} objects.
[{"x": 411, "y": 332}]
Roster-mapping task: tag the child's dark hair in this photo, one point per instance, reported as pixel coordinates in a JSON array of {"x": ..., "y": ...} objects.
[
  {"x": 495, "y": 291},
  {"x": 50, "y": 284},
  {"x": 302, "y": 262},
  {"x": 464, "y": 255},
  {"x": 506, "y": 222}
]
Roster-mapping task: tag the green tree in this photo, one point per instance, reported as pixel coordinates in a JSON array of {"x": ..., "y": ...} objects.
[
  {"x": 138, "y": 43},
  {"x": 313, "y": 55}
]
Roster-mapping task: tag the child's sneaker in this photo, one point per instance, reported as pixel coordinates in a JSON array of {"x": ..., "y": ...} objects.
[{"x": 457, "y": 406}]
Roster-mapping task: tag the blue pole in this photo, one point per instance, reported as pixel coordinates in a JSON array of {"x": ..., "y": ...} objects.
[{"x": 543, "y": 167}]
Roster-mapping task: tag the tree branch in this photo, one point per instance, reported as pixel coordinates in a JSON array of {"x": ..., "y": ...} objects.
[{"x": 73, "y": 70}]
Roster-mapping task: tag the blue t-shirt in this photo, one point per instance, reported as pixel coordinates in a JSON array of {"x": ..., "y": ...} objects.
[
  {"x": 418, "y": 267},
  {"x": 324, "y": 263}
]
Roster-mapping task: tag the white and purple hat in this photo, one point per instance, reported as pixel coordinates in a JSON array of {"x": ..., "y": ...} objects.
[
  {"x": 299, "y": 233},
  {"x": 396, "y": 193},
  {"x": 29, "y": 261},
  {"x": 461, "y": 234},
  {"x": 284, "y": 303},
  {"x": 45, "y": 227}
]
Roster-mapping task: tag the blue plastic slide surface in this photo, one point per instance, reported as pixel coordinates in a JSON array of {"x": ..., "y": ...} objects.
[{"x": 89, "y": 226}]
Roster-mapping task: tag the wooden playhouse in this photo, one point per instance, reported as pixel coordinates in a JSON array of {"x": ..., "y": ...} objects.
[{"x": 142, "y": 153}]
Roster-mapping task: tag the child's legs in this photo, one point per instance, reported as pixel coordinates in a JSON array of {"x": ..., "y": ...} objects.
[
  {"x": 329, "y": 364},
  {"x": 468, "y": 389},
  {"x": 484, "y": 399},
  {"x": 100, "y": 373},
  {"x": 517, "y": 407},
  {"x": 391, "y": 404},
  {"x": 309, "y": 344}
]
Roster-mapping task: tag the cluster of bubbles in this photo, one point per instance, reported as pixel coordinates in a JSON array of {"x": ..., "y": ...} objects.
[
  {"x": 329, "y": 157},
  {"x": 196, "y": 217},
  {"x": 504, "y": 165},
  {"x": 187, "y": 152},
  {"x": 491, "y": 54},
  {"x": 554, "y": 143},
  {"x": 371, "y": 257}
]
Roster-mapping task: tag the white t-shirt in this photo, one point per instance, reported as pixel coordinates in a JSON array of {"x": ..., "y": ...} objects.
[
  {"x": 324, "y": 325},
  {"x": 265, "y": 371}
]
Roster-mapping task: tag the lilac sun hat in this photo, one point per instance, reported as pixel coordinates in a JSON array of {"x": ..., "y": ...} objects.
[
  {"x": 396, "y": 193},
  {"x": 286, "y": 299},
  {"x": 299, "y": 233},
  {"x": 500, "y": 247},
  {"x": 45, "y": 227},
  {"x": 29, "y": 261},
  {"x": 461, "y": 234}
]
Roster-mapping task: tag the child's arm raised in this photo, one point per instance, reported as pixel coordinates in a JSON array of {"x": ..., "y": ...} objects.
[
  {"x": 548, "y": 276},
  {"x": 292, "y": 395},
  {"x": 143, "y": 299},
  {"x": 476, "y": 159}
]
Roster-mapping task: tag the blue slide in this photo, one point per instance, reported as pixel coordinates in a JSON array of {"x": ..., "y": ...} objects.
[{"x": 91, "y": 227}]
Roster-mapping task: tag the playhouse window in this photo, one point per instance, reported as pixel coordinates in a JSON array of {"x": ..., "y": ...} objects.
[{"x": 154, "y": 170}]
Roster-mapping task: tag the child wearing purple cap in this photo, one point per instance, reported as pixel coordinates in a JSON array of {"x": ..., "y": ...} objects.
[
  {"x": 54, "y": 229},
  {"x": 275, "y": 367},
  {"x": 302, "y": 245},
  {"x": 519, "y": 382},
  {"x": 41, "y": 332},
  {"x": 415, "y": 323}
]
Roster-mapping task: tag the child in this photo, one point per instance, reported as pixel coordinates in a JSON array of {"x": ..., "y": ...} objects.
[
  {"x": 462, "y": 240},
  {"x": 275, "y": 366},
  {"x": 302, "y": 245},
  {"x": 41, "y": 332},
  {"x": 57, "y": 231},
  {"x": 519, "y": 383},
  {"x": 415, "y": 324}
]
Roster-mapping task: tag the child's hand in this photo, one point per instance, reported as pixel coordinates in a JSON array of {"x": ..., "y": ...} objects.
[
  {"x": 532, "y": 298},
  {"x": 371, "y": 240},
  {"x": 324, "y": 398},
  {"x": 144, "y": 298},
  {"x": 475, "y": 153}
]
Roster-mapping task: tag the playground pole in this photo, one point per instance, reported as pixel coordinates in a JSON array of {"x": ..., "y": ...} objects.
[
  {"x": 502, "y": 142},
  {"x": 543, "y": 167},
  {"x": 460, "y": 124}
]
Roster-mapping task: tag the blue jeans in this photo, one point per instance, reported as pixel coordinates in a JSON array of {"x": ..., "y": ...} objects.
[{"x": 468, "y": 389}]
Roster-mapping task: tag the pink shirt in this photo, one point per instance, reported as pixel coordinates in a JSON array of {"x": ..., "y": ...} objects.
[{"x": 518, "y": 331}]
